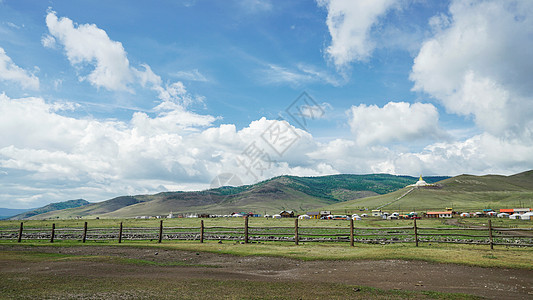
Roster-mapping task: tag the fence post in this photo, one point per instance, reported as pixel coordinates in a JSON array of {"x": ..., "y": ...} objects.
[
  {"x": 201, "y": 231},
  {"x": 53, "y": 232},
  {"x": 160, "y": 231},
  {"x": 351, "y": 232},
  {"x": 296, "y": 231},
  {"x": 84, "y": 232},
  {"x": 120, "y": 234},
  {"x": 491, "y": 240},
  {"x": 246, "y": 230},
  {"x": 416, "y": 233},
  {"x": 20, "y": 232}
]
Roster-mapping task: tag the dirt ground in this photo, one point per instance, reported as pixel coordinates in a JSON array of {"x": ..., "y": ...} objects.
[{"x": 496, "y": 283}]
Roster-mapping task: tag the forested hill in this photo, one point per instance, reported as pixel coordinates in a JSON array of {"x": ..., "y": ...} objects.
[
  {"x": 270, "y": 196},
  {"x": 50, "y": 208}
]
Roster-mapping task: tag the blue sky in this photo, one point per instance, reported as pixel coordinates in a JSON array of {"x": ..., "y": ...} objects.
[{"x": 106, "y": 98}]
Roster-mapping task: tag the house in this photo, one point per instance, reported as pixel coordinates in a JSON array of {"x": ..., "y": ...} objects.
[
  {"x": 439, "y": 214},
  {"x": 512, "y": 211},
  {"x": 287, "y": 214},
  {"x": 324, "y": 213},
  {"x": 314, "y": 214},
  {"x": 521, "y": 211}
]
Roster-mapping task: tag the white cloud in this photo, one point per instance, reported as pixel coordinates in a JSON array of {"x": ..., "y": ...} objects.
[
  {"x": 9, "y": 71},
  {"x": 88, "y": 44},
  {"x": 394, "y": 122},
  {"x": 479, "y": 62},
  {"x": 52, "y": 157},
  {"x": 301, "y": 74},
  {"x": 193, "y": 75},
  {"x": 255, "y": 6},
  {"x": 350, "y": 23},
  {"x": 48, "y": 41}
]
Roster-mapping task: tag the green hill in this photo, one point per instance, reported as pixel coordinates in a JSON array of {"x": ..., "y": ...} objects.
[
  {"x": 50, "y": 208},
  {"x": 280, "y": 193},
  {"x": 463, "y": 193}
]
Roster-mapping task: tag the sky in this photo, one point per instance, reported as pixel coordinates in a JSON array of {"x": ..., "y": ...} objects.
[{"x": 106, "y": 98}]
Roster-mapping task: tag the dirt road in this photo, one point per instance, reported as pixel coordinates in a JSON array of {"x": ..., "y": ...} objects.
[{"x": 496, "y": 283}]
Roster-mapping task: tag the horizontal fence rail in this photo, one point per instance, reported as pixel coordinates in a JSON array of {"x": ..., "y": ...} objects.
[{"x": 479, "y": 235}]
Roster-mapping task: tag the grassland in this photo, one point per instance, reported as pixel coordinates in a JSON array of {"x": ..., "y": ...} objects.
[
  {"x": 475, "y": 255},
  {"x": 258, "y": 222}
]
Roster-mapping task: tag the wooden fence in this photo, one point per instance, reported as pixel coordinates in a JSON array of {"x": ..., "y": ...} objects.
[{"x": 249, "y": 234}]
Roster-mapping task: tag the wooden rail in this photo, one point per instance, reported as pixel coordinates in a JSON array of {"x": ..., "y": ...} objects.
[{"x": 405, "y": 234}]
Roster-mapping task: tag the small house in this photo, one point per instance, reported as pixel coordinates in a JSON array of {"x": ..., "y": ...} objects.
[
  {"x": 324, "y": 213},
  {"x": 314, "y": 215},
  {"x": 439, "y": 214},
  {"x": 521, "y": 211},
  {"x": 287, "y": 214}
]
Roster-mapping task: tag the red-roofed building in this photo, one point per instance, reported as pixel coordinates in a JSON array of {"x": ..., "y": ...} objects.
[{"x": 439, "y": 214}]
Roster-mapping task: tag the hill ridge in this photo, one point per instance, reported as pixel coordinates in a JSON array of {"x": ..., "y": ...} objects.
[{"x": 268, "y": 196}]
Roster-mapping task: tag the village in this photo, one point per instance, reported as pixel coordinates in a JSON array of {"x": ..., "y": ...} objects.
[{"x": 509, "y": 213}]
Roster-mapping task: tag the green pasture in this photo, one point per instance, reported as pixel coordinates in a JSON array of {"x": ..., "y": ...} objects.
[
  {"x": 263, "y": 222},
  {"x": 479, "y": 255},
  {"x": 473, "y": 255}
]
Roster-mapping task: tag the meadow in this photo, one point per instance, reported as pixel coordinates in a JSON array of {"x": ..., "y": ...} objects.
[{"x": 478, "y": 255}]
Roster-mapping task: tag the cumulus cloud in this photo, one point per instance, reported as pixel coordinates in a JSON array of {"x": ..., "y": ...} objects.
[
  {"x": 9, "y": 71},
  {"x": 479, "y": 62},
  {"x": 350, "y": 23},
  {"x": 394, "y": 122},
  {"x": 88, "y": 44},
  {"x": 52, "y": 157},
  {"x": 60, "y": 157}
]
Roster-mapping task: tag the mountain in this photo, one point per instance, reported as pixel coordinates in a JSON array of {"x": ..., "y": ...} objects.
[
  {"x": 8, "y": 212},
  {"x": 462, "y": 193},
  {"x": 300, "y": 194},
  {"x": 50, "y": 208}
]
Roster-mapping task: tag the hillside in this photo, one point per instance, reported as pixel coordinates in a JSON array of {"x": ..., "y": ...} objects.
[
  {"x": 284, "y": 192},
  {"x": 50, "y": 208},
  {"x": 463, "y": 193},
  {"x": 9, "y": 212}
]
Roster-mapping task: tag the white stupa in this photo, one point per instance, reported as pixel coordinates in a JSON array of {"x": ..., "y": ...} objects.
[{"x": 420, "y": 183}]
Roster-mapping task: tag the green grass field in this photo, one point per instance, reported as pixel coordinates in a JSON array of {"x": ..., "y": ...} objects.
[
  {"x": 258, "y": 222},
  {"x": 478, "y": 255}
]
